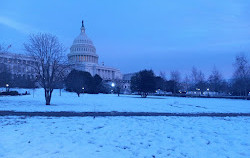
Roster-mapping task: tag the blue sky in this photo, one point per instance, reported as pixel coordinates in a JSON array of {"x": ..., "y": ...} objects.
[{"x": 164, "y": 35}]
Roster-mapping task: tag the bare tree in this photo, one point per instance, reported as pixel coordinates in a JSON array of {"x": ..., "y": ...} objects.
[
  {"x": 163, "y": 75},
  {"x": 198, "y": 80},
  {"x": 118, "y": 86},
  {"x": 186, "y": 83},
  {"x": 176, "y": 77},
  {"x": 241, "y": 77},
  {"x": 50, "y": 63},
  {"x": 3, "y": 48},
  {"x": 194, "y": 75},
  {"x": 215, "y": 81}
]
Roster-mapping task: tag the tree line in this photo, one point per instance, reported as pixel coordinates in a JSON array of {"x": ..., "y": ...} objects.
[{"x": 145, "y": 81}]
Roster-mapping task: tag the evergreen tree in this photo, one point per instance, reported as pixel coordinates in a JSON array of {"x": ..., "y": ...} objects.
[
  {"x": 82, "y": 81},
  {"x": 96, "y": 84},
  {"x": 143, "y": 82},
  {"x": 74, "y": 82}
]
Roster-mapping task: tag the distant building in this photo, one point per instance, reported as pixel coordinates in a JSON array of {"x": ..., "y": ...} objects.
[
  {"x": 83, "y": 57},
  {"x": 18, "y": 65}
]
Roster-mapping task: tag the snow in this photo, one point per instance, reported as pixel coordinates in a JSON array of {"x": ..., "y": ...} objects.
[
  {"x": 125, "y": 103},
  {"x": 125, "y": 137}
]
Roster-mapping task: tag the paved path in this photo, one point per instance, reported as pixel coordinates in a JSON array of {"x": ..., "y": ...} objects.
[{"x": 112, "y": 114}]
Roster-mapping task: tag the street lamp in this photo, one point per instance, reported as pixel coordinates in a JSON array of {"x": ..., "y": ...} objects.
[
  {"x": 112, "y": 85},
  {"x": 7, "y": 87}
]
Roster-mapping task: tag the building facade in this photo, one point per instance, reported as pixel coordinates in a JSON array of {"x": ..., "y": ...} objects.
[
  {"x": 83, "y": 57},
  {"x": 18, "y": 65}
]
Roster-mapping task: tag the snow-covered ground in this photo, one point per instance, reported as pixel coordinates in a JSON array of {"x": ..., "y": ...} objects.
[
  {"x": 160, "y": 137},
  {"x": 129, "y": 103},
  {"x": 73, "y": 137}
]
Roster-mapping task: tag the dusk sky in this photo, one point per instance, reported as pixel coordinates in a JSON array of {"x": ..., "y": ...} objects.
[{"x": 162, "y": 35}]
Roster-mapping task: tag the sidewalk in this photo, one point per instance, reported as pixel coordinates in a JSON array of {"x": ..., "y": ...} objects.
[{"x": 114, "y": 113}]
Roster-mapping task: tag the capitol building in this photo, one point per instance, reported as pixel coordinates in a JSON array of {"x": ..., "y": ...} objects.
[{"x": 83, "y": 57}]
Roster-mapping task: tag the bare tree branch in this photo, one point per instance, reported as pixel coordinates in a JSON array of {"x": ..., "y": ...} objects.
[{"x": 50, "y": 62}]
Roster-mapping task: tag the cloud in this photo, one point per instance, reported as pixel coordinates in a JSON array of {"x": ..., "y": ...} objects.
[{"x": 23, "y": 28}]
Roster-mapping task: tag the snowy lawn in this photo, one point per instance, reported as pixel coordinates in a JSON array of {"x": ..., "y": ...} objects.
[
  {"x": 124, "y": 137},
  {"x": 124, "y": 103}
]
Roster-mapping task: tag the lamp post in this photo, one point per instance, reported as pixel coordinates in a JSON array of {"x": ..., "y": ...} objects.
[
  {"x": 7, "y": 87},
  {"x": 82, "y": 89},
  {"x": 112, "y": 85}
]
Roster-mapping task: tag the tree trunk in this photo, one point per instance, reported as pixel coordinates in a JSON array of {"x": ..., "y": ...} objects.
[
  {"x": 48, "y": 94},
  {"x": 47, "y": 100},
  {"x": 78, "y": 94}
]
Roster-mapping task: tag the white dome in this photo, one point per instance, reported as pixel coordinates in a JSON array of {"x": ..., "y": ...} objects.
[
  {"x": 83, "y": 39},
  {"x": 83, "y": 49},
  {"x": 82, "y": 44}
]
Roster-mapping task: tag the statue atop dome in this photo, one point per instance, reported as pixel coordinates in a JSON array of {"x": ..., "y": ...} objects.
[{"x": 82, "y": 28}]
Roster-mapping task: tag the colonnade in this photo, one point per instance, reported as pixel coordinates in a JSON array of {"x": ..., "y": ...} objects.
[
  {"x": 86, "y": 58},
  {"x": 106, "y": 74}
]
